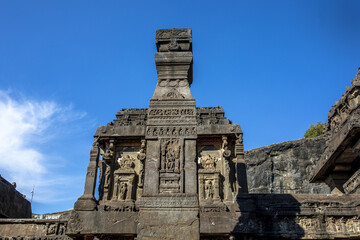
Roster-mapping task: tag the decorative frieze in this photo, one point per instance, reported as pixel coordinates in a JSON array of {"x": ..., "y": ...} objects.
[
  {"x": 173, "y": 82},
  {"x": 170, "y": 131},
  {"x": 175, "y": 201},
  {"x": 300, "y": 226},
  {"x": 171, "y": 112},
  {"x": 131, "y": 117},
  {"x": 56, "y": 228},
  {"x": 120, "y": 208}
]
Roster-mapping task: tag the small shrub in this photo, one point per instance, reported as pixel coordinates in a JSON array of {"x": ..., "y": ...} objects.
[{"x": 315, "y": 130}]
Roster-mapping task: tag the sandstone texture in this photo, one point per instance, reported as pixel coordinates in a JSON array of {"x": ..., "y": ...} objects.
[{"x": 285, "y": 167}]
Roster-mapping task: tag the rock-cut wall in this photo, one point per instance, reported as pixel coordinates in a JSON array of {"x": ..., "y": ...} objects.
[
  {"x": 285, "y": 167},
  {"x": 12, "y": 203}
]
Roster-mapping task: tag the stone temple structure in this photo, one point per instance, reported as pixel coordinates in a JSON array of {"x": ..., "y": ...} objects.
[
  {"x": 177, "y": 171},
  {"x": 161, "y": 166}
]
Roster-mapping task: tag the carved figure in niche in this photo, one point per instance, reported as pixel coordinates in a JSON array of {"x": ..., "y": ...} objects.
[
  {"x": 107, "y": 176},
  {"x": 208, "y": 162},
  {"x": 126, "y": 162},
  {"x": 350, "y": 226},
  {"x": 62, "y": 229},
  {"x": 142, "y": 156},
  {"x": 104, "y": 180},
  {"x": 52, "y": 229},
  {"x": 170, "y": 155},
  {"x": 122, "y": 191},
  {"x": 209, "y": 189},
  {"x": 338, "y": 224}
]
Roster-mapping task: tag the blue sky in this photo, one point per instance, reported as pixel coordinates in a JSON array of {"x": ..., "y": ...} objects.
[{"x": 67, "y": 67}]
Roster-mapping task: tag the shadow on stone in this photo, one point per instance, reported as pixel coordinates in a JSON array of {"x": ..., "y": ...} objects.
[{"x": 267, "y": 216}]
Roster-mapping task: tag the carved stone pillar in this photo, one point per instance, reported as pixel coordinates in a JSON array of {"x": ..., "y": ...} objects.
[
  {"x": 152, "y": 165},
  {"x": 169, "y": 201},
  {"x": 241, "y": 178},
  {"x": 190, "y": 167},
  {"x": 226, "y": 153},
  {"x": 87, "y": 201}
]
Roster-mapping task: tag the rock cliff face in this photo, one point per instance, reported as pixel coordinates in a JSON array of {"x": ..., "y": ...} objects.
[{"x": 285, "y": 167}]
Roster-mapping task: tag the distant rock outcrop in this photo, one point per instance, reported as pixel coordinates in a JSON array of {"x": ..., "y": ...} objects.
[{"x": 285, "y": 167}]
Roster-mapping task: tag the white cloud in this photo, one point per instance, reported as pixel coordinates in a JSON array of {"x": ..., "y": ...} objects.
[{"x": 25, "y": 126}]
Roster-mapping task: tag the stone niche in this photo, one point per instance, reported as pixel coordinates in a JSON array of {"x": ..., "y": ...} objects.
[
  {"x": 216, "y": 171},
  {"x": 121, "y": 171},
  {"x": 171, "y": 156}
]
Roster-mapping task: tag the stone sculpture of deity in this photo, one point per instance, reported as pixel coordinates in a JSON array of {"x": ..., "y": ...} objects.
[
  {"x": 209, "y": 190},
  {"x": 122, "y": 191}
]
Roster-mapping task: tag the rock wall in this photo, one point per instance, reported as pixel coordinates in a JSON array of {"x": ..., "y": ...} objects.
[
  {"x": 285, "y": 167},
  {"x": 12, "y": 203}
]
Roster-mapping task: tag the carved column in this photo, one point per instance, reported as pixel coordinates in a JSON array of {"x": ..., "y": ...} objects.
[
  {"x": 241, "y": 178},
  {"x": 87, "y": 201}
]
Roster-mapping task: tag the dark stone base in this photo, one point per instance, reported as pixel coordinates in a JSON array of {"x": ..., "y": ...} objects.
[
  {"x": 168, "y": 217},
  {"x": 85, "y": 203}
]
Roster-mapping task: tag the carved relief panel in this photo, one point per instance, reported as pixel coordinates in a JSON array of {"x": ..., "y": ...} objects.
[
  {"x": 124, "y": 175},
  {"x": 209, "y": 168},
  {"x": 170, "y": 165},
  {"x": 216, "y": 171},
  {"x": 121, "y": 170}
]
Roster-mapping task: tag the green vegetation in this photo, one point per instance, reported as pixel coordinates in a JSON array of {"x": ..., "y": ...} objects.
[{"x": 315, "y": 130}]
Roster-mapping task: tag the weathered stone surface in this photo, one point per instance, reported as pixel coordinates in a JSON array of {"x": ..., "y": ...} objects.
[
  {"x": 170, "y": 216},
  {"x": 285, "y": 167},
  {"x": 33, "y": 228},
  {"x": 294, "y": 216},
  {"x": 12, "y": 203}
]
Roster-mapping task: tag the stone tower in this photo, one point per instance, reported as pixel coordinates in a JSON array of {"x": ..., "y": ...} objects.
[
  {"x": 169, "y": 202},
  {"x": 161, "y": 166}
]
